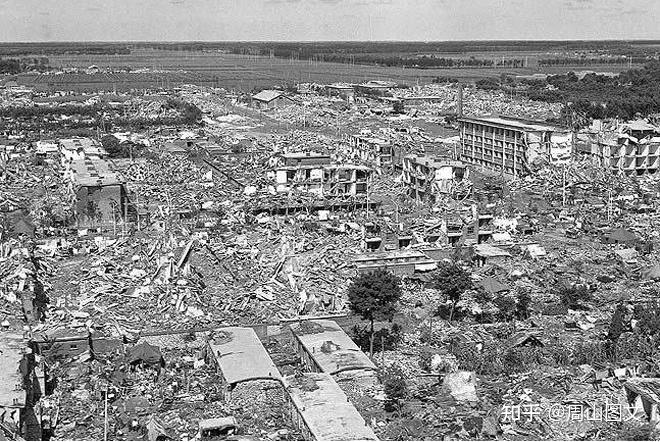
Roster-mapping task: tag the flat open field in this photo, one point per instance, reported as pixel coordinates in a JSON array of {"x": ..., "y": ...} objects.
[{"x": 243, "y": 72}]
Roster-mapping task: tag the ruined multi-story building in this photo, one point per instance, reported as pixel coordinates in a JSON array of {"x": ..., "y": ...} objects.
[
  {"x": 510, "y": 145},
  {"x": 370, "y": 150},
  {"x": 427, "y": 177},
  {"x": 100, "y": 194},
  {"x": 631, "y": 148},
  {"x": 315, "y": 173}
]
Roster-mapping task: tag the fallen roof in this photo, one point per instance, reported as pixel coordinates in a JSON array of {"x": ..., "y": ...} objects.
[
  {"x": 396, "y": 255},
  {"x": 621, "y": 235},
  {"x": 326, "y": 410},
  {"x": 12, "y": 394},
  {"x": 307, "y": 154},
  {"x": 489, "y": 251},
  {"x": 647, "y": 388},
  {"x": 241, "y": 356},
  {"x": 492, "y": 285},
  {"x": 268, "y": 95},
  {"x": 435, "y": 162},
  {"x": 93, "y": 171},
  {"x": 217, "y": 423},
  {"x": 640, "y": 125},
  {"x": 330, "y": 347},
  {"x": 340, "y": 86},
  {"x": 515, "y": 124}
]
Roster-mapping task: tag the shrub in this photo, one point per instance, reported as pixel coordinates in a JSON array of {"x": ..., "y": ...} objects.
[
  {"x": 448, "y": 312},
  {"x": 487, "y": 361},
  {"x": 396, "y": 389},
  {"x": 523, "y": 301},
  {"x": 635, "y": 432},
  {"x": 616, "y": 324},
  {"x": 649, "y": 318},
  {"x": 425, "y": 357},
  {"x": 589, "y": 352},
  {"x": 507, "y": 307},
  {"x": 574, "y": 296},
  {"x": 520, "y": 359},
  {"x": 488, "y": 84},
  {"x": 638, "y": 346}
]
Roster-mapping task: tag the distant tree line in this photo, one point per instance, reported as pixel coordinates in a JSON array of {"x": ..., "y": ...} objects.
[
  {"x": 589, "y": 61},
  {"x": 189, "y": 115},
  {"x": 633, "y": 92},
  {"x": 10, "y": 66},
  {"x": 379, "y": 59},
  {"x": 15, "y": 112},
  {"x": 64, "y": 49},
  {"x": 18, "y": 65}
]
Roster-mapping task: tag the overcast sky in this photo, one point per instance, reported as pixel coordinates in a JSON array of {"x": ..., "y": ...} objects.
[{"x": 420, "y": 20}]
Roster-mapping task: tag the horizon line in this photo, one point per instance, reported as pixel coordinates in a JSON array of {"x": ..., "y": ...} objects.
[{"x": 606, "y": 40}]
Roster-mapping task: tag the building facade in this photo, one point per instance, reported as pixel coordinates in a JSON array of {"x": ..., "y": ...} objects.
[
  {"x": 315, "y": 173},
  {"x": 427, "y": 177},
  {"x": 372, "y": 151},
  {"x": 631, "y": 148},
  {"x": 510, "y": 145}
]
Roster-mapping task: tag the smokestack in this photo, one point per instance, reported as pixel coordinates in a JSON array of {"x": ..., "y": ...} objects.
[{"x": 460, "y": 100}]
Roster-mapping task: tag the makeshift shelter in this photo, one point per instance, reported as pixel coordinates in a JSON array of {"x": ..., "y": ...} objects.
[
  {"x": 218, "y": 427},
  {"x": 144, "y": 353},
  {"x": 493, "y": 286},
  {"x": 523, "y": 338},
  {"x": 652, "y": 273},
  {"x": 18, "y": 223}
]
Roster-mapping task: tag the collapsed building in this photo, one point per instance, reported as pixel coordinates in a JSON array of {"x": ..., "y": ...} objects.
[
  {"x": 323, "y": 411},
  {"x": 315, "y": 173},
  {"x": 269, "y": 99},
  {"x": 631, "y": 148},
  {"x": 247, "y": 371},
  {"x": 100, "y": 194},
  {"x": 427, "y": 177},
  {"x": 371, "y": 150},
  {"x": 21, "y": 386},
  {"x": 341, "y": 90}
]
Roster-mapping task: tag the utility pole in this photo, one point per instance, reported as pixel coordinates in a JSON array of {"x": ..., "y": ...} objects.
[
  {"x": 105, "y": 415},
  {"x": 564, "y": 186}
]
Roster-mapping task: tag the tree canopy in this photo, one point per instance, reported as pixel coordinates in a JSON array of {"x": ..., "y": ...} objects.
[
  {"x": 373, "y": 295},
  {"x": 451, "y": 280}
]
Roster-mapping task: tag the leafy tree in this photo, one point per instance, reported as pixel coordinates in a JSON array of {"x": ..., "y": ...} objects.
[
  {"x": 389, "y": 338},
  {"x": 488, "y": 84},
  {"x": 453, "y": 281},
  {"x": 373, "y": 296},
  {"x": 112, "y": 145},
  {"x": 507, "y": 306}
]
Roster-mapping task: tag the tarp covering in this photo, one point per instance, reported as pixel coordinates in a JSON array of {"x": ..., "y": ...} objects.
[
  {"x": 621, "y": 235},
  {"x": 652, "y": 272},
  {"x": 144, "y": 352},
  {"x": 492, "y": 285}
]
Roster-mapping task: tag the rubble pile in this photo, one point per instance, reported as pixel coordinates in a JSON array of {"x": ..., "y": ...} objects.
[
  {"x": 214, "y": 231},
  {"x": 476, "y": 102}
]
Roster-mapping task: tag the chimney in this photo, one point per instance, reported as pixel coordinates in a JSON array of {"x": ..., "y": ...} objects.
[{"x": 459, "y": 106}]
